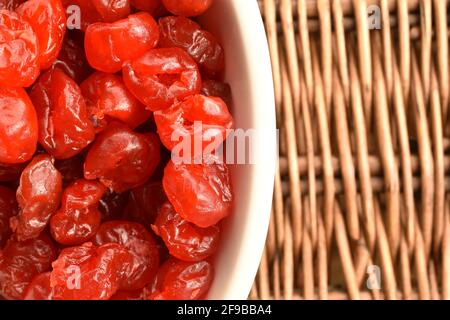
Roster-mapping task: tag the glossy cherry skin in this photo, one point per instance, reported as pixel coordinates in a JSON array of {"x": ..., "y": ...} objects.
[
  {"x": 187, "y": 8},
  {"x": 18, "y": 126},
  {"x": 38, "y": 195},
  {"x": 144, "y": 203},
  {"x": 71, "y": 59},
  {"x": 78, "y": 219},
  {"x": 121, "y": 158},
  {"x": 161, "y": 76},
  {"x": 180, "y": 280},
  {"x": 185, "y": 240},
  {"x": 112, "y": 10},
  {"x": 20, "y": 262},
  {"x": 217, "y": 89},
  {"x": 140, "y": 243},
  {"x": 107, "y": 98},
  {"x": 39, "y": 288},
  {"x": 109, "y": 45},
  {"x": 64, "y": 126},
  {"x": 200, "y": 193},
  {"x": 19, "y": 51},
  {"x": 8, "y": 209},
  {"x": 10, "y": 4},
  {"x": 198, "y": 118},
  {"x": 89, "y": 272},
  {"x": 201, "y": 45},
  {"x": 48, "y": 20}
]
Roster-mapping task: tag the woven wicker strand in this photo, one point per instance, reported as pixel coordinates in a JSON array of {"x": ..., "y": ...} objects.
[{"x": 360, "y": 206}]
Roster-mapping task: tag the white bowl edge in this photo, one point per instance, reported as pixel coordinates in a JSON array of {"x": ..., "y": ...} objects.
[{"x": 238, "y": 25}]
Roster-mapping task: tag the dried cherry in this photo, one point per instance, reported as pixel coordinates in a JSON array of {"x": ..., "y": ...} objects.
[
  {"x": 197, "y": 119},
  {"x": 200, "y": 193},
  {"x": 121, "y": 158},
  {"x": 64, "y": 126},
  {"x": 180, "y": 280},
  {"x": 109, "y": 45},
  {"x": 38, "y": 195},
  {"x": 19, "y": 51},
  {"x": 185, "y": 240},
  {"x": 39, "y": 288},
  {"x": 140, "y": 243},
  {"x": 78, "y": 219},
  {"x": 21, "y": 261},
  {"x": 161, "y": 76},
  {"x": 107, "y": 98},
  {"x": 201, "y": 45},
  {"x": 187, "y": 8},
  {"x": 48, "y": 20}
]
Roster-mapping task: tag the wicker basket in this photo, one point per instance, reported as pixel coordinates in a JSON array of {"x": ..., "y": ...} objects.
[{"x": 361, "y": 209}]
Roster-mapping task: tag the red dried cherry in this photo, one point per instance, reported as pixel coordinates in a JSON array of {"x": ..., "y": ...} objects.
[
  {"x": 144, "y": 203},
  {"x": 18, "y": 126},
  {"x": 107, "y": 98},
  {"x": 112, "y": 10},
  {"x": 64, "y": 126},
  {"x": 19, "y": 51},
  {"x": 8, "y": 209},
  {"x": 38, "y": 195},
  {"x": 71, "y": 59},
  {"x": 48, "y": 20},
  {"x": 88, "y": 272},
  {"x": 200, "y": 193},
  {"x": 161, "y": 76},
  {"x": 140, "y": 243},
  {"x": 180, "y": 280},
  {"x": 121, "y": 158},
  {"x": 79, "y": 217},
  {"x": 201, "y": 45},
  {"x": 109, "y": 45},
  {"x": 197, "y": 119},
  {"x": 187, "y": 8},
  {"x": 10, "y": 4},
  {"x": 185, "y": 240},
  {"x": 21, "y": 261},
  {"x": 39, "y": 288},
  {"x": 217, "y": 89}
]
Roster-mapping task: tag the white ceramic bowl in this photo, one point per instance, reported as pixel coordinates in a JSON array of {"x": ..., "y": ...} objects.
[{"x": 239, "y": 27}]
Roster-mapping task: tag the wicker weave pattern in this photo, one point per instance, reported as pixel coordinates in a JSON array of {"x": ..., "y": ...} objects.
[{"x": 364, "y": 166}]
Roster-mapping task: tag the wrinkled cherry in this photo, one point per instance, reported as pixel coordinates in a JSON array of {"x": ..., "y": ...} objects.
[
  {"x": 38, "y": 195},
  {"x": 121, "y": 158},
  {"x": 198, "y": 118},
  {"x": 185, "y": 240},
  {"x": 187, "y": 8},
  {"x": 88, "y": 272},
  {"x": 39, "y": 288},
  {"x": 19, "y": 65},
  {"x": 64, "y": 126},
  {"x": 10, "y": 4},
  {"x": 161, "y": 76},
  {"x": 180, "y": 280},
  {"x": 21, "y": 261},
  {"x": 200, "y": 193},
  {"x": 144, "y": 203},
  {"x": 109, "y": 45},
  {"x": 79, "y": 217},
  {"x": 18, "y": 126},
  {"x": 8, "y": 209},
  {"x": 107, "y": 98},
  {"x": 140, "y": 243},
  {"x": 48, "y": 20},
  {"x": 200, "y": 44},
  {"x": 112, "y": 10}
]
